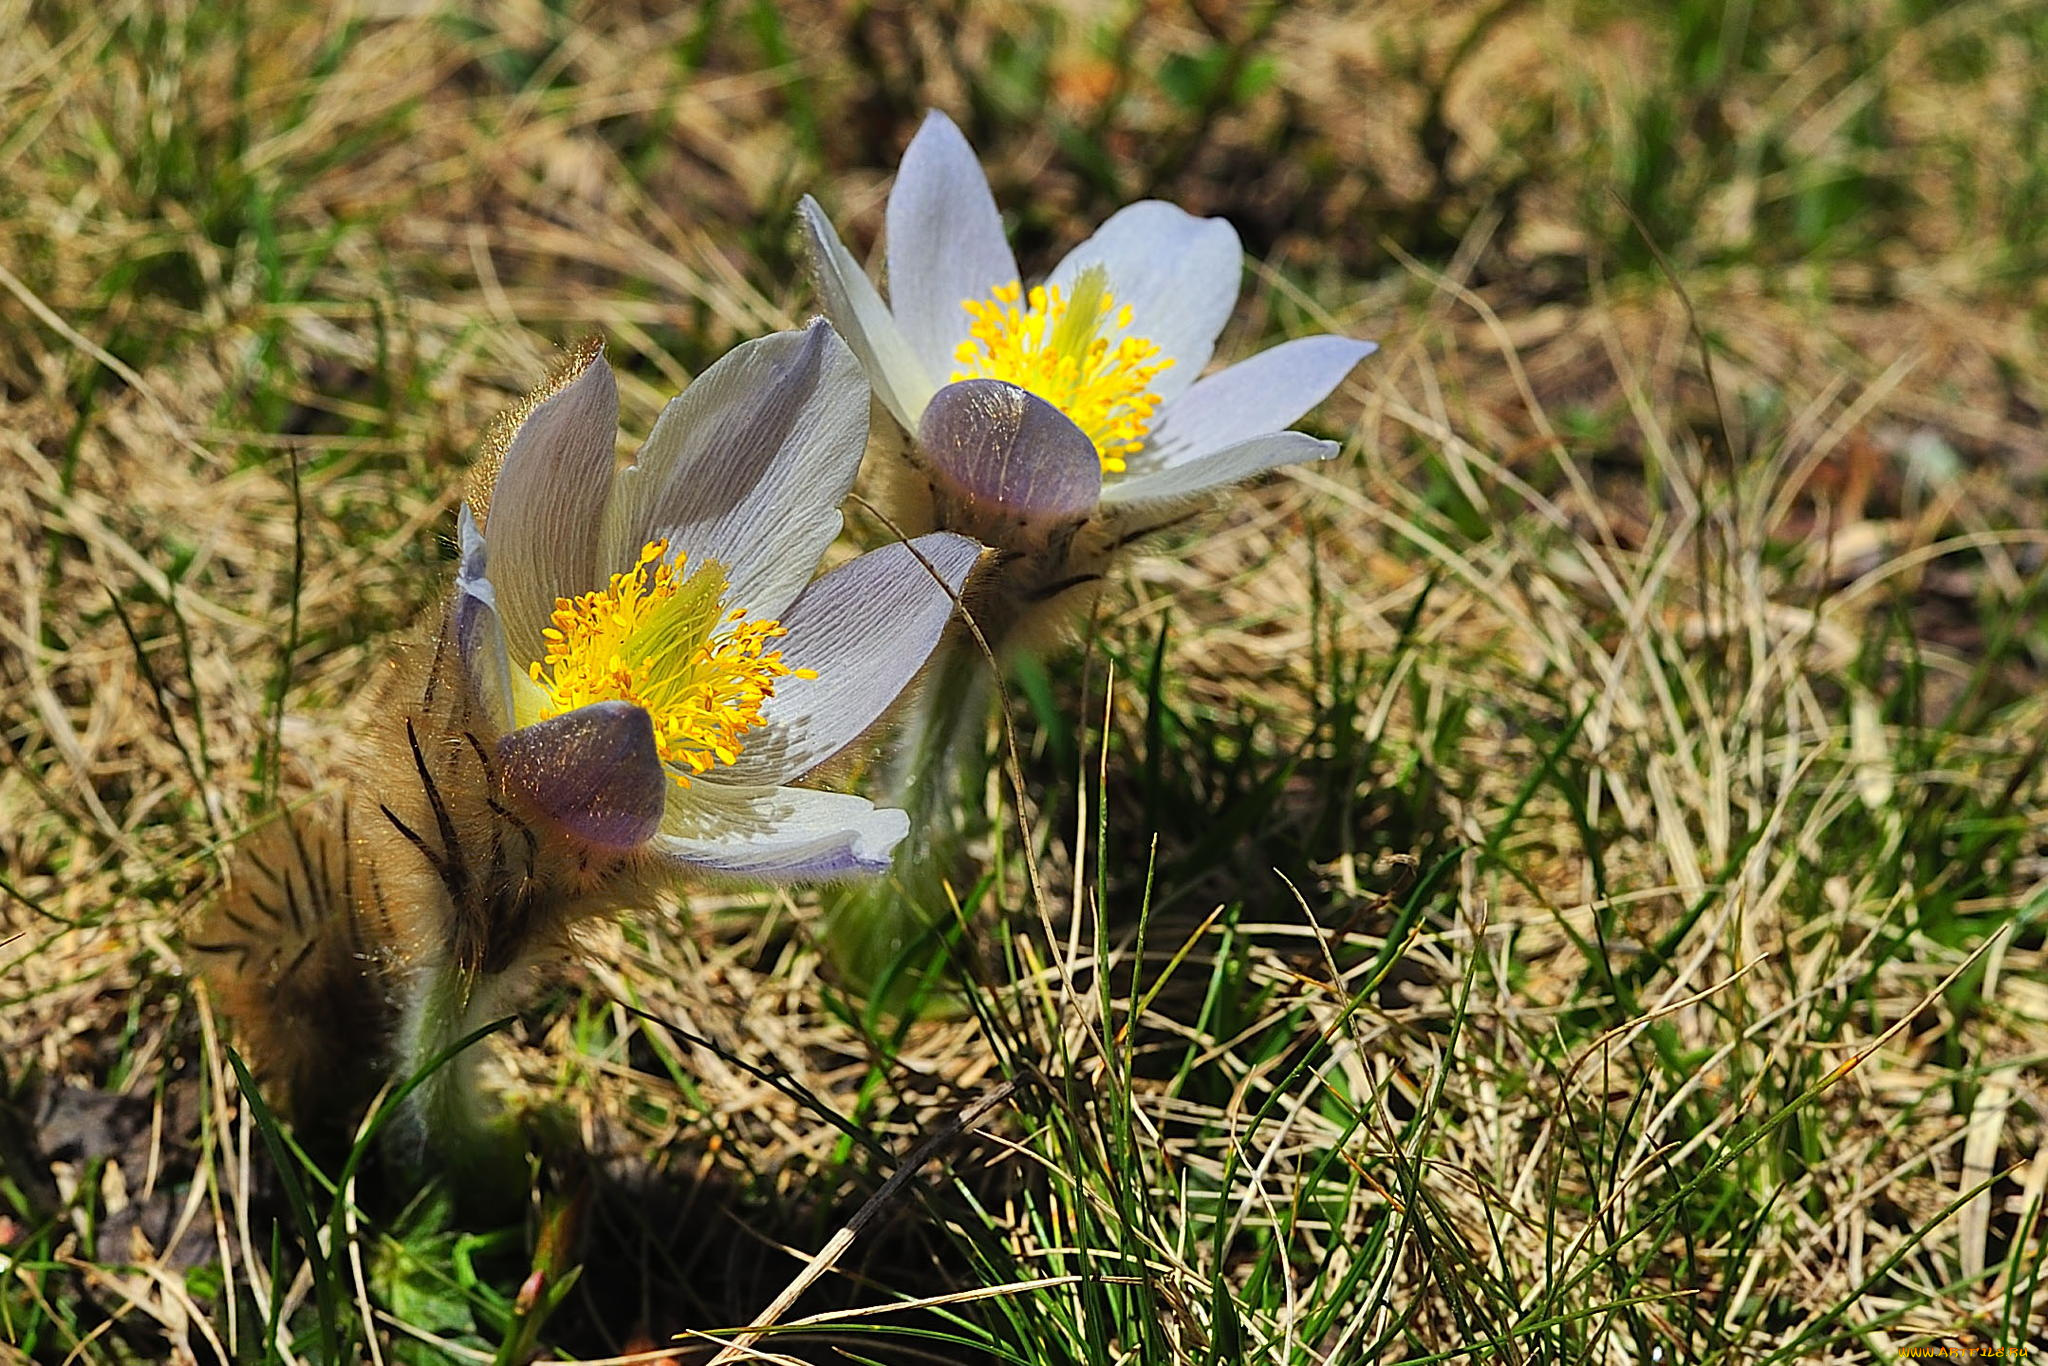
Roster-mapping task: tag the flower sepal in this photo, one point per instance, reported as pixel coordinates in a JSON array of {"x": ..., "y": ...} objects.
[
  {"x": 1003, "y": 462},
  {"x": 593, "y": 774}
]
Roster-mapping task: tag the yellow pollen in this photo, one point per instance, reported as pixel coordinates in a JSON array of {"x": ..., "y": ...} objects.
[
  {"x": 1052, "y": 344},
  {"x": 653, "y": 639}
]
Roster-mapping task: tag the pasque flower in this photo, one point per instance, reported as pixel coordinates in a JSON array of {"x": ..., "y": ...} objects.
[
  {"x": 1114, "y": 340},
  {"x": 1057, "y": 423},
  {"x": 650, "y": 644},
  {"x": 635, "y": 670}
]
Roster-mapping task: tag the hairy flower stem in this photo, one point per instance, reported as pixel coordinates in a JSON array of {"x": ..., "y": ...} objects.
[
  {"x": 873, "y": 930},
  {"x": 446, "y": 1120}
]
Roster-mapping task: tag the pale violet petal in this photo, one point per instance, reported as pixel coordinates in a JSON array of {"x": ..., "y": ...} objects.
[
  {"x": 1231, "y": 465},
  {"x": 1000, "y": 445},
  {"x": 1266, "y": 393},
  {"x": 1178, "y": 273},
  {"x": 945, "y": 242},
  {"x": 866, "y": 629},
  {"x": 850, "y": 301},
  {"x": 749, "y": 467},
  {"x": 479, "y": 637},
  {"x": 777, "y": 834},
  {"x": 547, "y": 505},
  {"x": 592, "y": 772}
]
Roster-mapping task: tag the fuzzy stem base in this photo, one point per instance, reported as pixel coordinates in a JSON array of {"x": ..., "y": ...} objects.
[{"x": 446, "y": 1123}]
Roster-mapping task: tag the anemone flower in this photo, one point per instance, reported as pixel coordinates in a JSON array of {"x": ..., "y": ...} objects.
[
  {"x": 1115, "y": 339},
  {"x": 650, "y": 644},
  {"x": 643, "y": 667},
  {"x": 1058, "y": 424}
]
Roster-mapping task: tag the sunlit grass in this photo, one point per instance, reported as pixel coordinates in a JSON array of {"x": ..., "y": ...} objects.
[{"x": 1563, "y": 882}]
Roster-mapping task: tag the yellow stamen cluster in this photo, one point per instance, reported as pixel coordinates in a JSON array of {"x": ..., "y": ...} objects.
[
  {"x": 1052, "y": 344},
  {"x": 651, "y": 639}
]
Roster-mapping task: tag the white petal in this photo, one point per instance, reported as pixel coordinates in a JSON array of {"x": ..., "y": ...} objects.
[
  {"x": 749, "y": 467},
  {"x": 1231, "y": 465},
  {"x": 1179, "y": 274},
  {"x": 866, "y": 628},
  {"x": 777, "y": 834},
  {"x": 547, "y": 504},
  {"x": 1264, "y": 394},
  {"x": 946, "y": 242},
  {"x": 850, "y": 301}
]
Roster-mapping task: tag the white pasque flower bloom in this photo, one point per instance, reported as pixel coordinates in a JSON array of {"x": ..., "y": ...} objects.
[
  {"x": 1115, "y": 340},
  {"x": 649, "y": 641}
]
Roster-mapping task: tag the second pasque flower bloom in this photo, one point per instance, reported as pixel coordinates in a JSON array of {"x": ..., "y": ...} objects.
[{"x": 1115, "y": 339}]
